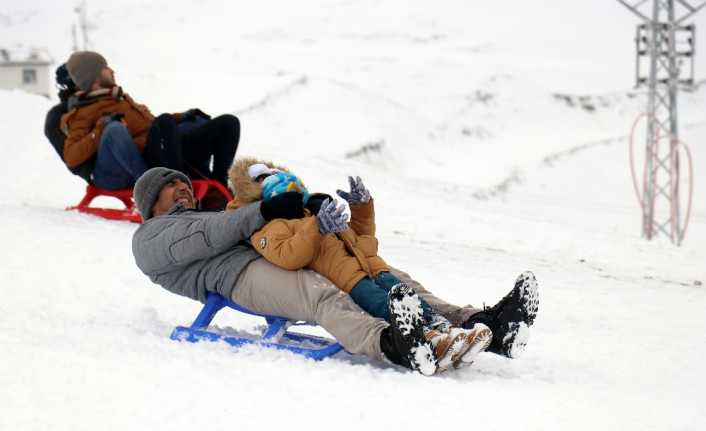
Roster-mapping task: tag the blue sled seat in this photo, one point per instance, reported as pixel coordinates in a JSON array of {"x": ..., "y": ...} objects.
[{"x": 276, "y": 335}]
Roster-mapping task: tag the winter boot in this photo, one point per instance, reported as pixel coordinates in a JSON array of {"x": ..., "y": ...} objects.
[
  {"x": 510, "y": 318},
  {"x": 407, "y": 330},
  {"x": 459, "y": 347},
  {"x": 439, "y": 323}
]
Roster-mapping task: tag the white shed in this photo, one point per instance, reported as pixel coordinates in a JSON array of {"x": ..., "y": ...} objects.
[{"x": 26, "y": 69}]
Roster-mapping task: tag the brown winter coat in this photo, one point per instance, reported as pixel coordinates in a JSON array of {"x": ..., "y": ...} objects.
[
  {"x": 83, "y": 130},
  {"x": 344, "y": 258}
]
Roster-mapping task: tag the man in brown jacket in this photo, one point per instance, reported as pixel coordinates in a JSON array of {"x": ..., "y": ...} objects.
[{"x": 106, "y": 125}]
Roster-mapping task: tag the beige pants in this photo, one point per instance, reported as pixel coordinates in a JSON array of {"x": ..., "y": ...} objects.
[{"x": 305, "y": 295}]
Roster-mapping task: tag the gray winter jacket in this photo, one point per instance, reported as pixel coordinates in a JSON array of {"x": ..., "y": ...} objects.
[{"x": 191, "y": 252}]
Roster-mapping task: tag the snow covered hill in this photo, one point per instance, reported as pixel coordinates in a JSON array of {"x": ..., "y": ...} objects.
[{"x": 492, "y": 142}]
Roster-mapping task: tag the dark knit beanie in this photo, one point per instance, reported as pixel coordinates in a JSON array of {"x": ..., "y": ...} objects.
[
  {"x": 85, "y": 67},
  {"x": 149, "y": 185}
]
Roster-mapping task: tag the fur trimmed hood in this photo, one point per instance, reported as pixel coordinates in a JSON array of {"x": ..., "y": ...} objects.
[{"x": 245, "y": 189}]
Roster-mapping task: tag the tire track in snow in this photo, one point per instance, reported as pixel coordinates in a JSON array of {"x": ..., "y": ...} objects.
[
  {"x": 517, "y": 177},
  {"x": 272, "y": 96}
]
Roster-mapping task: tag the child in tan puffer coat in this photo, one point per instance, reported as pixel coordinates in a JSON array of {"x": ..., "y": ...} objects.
[{"x": 344, "y": 253}]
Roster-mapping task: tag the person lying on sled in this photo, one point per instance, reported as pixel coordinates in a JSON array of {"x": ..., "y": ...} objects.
[
  {"x": 192, "y": 253},
  {"x": 121, "y": 138},
  {"x": 346, "y": 254}
]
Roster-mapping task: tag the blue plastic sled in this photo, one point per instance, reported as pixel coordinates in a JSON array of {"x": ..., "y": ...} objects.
[{"x": 275, "y": 336}]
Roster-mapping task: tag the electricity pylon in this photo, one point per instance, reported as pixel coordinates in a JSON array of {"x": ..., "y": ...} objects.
[{"x": 664, "y": 43}]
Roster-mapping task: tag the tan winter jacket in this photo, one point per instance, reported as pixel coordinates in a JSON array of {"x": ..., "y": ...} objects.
[
  {"x": 344, "y": 258},
  {"x": 83, "y": 130}
]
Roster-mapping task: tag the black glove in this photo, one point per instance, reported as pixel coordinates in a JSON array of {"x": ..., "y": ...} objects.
[
  {"x": 287, "y": 205},
  {"x": 194, "y": 113}
]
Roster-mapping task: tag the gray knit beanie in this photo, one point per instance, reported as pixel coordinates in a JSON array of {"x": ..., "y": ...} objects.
[
  {"x": 149, "y": 185},
  {"x": 85, "y": 67}
]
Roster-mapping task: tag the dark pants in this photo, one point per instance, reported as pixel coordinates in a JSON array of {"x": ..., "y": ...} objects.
[
  {"x": 371, "y": 296},
  {"x": 190, "y": 146}
]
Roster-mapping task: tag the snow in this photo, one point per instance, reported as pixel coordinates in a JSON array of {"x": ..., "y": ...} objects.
[
  {"x": 423, "y": 358},
  {"x": 483, "y": 160},
  {"x": 520, "y": 336}
]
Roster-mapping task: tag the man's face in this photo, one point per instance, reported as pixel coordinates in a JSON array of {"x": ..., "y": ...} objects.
[
  {"x": 107, "y": 78},
  {"x": 174, "y": 192}
]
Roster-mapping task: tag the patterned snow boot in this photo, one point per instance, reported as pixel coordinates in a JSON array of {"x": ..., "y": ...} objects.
[
  {"x": 510, "y": 318},
  {"x": 459, "y": 347},
  {"x": 407, "y": 330}
]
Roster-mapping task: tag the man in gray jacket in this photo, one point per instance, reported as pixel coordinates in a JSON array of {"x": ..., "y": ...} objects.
[{"x": 190, "y": 253}]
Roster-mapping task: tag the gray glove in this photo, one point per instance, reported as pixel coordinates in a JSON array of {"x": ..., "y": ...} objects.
[
  {"x": 358, "y": 195},
  {"x": 332, "y": 218}
]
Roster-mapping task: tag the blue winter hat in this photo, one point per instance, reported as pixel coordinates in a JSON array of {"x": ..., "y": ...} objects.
[{"x": 283, "y": 182}]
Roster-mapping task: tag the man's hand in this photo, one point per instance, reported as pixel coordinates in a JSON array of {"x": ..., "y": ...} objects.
[
  {"x": 358, "y": 194},
  {"x": 109, "y": 117},
  {"x": 288, "y": 205},
  {"x": 194, "y": 113},
  {"x": 332, "y": 218}
]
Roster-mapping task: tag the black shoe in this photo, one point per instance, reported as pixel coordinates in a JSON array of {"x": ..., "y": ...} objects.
[
  {"x": 389, "y": 347},
  {"x": 510, "y": 318},
  {"x": 406, "y": 344}
]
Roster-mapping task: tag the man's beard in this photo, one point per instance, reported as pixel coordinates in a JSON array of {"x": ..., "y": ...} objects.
[{"x": 106, "y": 82}]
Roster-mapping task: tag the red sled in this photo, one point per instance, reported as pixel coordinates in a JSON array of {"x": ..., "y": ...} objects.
[{"x": 129, "y": 213}]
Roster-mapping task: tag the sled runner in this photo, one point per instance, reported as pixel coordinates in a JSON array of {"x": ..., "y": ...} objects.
[
  {"x": 129, "y": 213},
  {"x": 275, "y": 336}
]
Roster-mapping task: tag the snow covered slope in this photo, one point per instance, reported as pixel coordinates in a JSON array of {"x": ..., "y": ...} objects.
[{"x": 467, "y": 124}]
